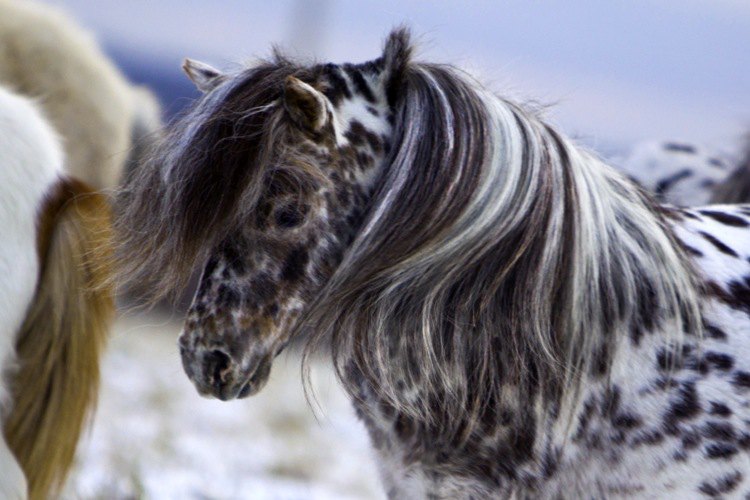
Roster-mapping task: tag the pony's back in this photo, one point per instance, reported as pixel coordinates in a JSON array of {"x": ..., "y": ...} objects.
[{"x": 56, "y": 309}]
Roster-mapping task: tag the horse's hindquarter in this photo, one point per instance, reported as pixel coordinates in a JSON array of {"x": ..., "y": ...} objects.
[
  {"x": 30, "y": 160},
  {"x": 83, "y": 95},
  {"x": 18, "y": 270}
]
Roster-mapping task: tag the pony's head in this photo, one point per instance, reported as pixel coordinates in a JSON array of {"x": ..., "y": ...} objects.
[{"x": 263, "y": 183}]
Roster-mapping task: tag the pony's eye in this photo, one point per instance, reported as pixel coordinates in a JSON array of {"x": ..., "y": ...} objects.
[{"x": 290, "y": 216}]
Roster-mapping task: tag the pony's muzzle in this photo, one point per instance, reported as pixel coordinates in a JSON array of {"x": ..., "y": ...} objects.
[
  {"x": 217, "y": 371},
  {"x": 216, "y": 374}
]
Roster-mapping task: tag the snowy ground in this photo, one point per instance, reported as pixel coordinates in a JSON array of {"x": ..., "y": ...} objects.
[{"x": 155, "y": 438}]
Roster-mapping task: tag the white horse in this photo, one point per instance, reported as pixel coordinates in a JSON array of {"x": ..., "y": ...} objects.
[
  {"x": 56, "y": 308},
  {"x": 47, "y": 56}
]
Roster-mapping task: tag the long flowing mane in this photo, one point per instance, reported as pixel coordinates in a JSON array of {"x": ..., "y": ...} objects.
[{"x": 495, "y": 252}]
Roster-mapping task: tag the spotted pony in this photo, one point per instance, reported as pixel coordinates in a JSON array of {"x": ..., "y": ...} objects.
[{"x": 510, "y": 316}]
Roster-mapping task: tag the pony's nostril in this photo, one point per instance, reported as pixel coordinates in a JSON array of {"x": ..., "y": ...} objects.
[{"x": 216, "y": 364}]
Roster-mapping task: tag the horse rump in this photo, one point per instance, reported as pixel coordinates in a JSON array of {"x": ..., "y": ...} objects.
[{"x": 60, "y": 342}]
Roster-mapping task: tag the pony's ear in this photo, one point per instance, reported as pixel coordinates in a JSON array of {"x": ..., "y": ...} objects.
[
  {"x": 305, "y": 105},
  {"x": 204, "y": 77},
  {"x": 396, "y": 57}
]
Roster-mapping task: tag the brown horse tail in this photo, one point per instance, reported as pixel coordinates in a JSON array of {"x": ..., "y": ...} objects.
[{"x": 59, "y": 345}]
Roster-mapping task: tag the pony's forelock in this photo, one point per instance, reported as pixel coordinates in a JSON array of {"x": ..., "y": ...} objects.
[
  {"x": 199, "y": 180},
  {"x": 205, "y": 175}
]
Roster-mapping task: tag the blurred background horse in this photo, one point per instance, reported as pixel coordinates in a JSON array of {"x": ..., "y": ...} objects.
[
  {"x": 101, "y": 117},
  {"x": 689, "y": 174},
  {"x": 68, "y": 115}
]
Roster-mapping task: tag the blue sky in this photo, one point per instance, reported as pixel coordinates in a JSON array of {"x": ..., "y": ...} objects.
[{"x": 615, "y": 71}]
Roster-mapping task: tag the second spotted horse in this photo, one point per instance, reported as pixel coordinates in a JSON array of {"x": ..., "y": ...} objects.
[
  {"x": 510, "y": 316},
  {"x": 688, "y": 174}
]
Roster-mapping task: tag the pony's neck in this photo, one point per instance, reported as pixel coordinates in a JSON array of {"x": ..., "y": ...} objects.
[{"x": 499, "y": 268}]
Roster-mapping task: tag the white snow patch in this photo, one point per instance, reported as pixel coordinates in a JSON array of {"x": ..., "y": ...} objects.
[{"x": 155, "y": 437}]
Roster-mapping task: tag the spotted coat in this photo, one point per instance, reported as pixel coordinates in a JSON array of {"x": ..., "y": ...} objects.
[{"x": 664, "y": 413}]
